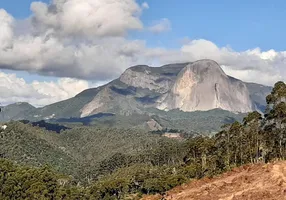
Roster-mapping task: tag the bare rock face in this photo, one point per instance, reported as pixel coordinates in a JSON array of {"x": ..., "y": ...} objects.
[
  {"x": 108, "y": 100},
  {"x": 145, "y": 78},
  {"x": 98, "y": 104},
  {"x": 203, "y": 85}
]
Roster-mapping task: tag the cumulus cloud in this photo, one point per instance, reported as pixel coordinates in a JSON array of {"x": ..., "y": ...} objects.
[
  {"x": 87, "y": 18},
  {"x": 85, "y": 40},
  {"x": 57, "y": 43},
  {"x": 15, "y": 89},
  {"x": 251, "y": 65},
  {"x": 47, "y": 55},
  {"x": 160, "y": 26},
  {"x": 6, "y": 33}
]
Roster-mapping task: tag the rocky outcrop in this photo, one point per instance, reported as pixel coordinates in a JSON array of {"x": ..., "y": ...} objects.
[
  {"x": 203, "y": 86},
  {"x": 145, "y": 77},
  {"x": 98, "y": 104},
  {"x": 112, "y": 99}
]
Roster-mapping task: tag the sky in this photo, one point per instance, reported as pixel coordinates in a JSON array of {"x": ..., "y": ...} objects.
[{"x": 51, "y": 50}]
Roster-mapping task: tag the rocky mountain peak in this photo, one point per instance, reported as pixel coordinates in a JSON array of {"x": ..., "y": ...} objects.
[
  {"x": 205, "y": 68},
  {"x": 203, "y": 85},
  {"x": 152, "y": 78},
  {"x": 142, "y": 90}
]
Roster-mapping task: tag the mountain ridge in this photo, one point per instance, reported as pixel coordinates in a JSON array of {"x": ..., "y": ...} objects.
[{"x": 143, "y": 87}]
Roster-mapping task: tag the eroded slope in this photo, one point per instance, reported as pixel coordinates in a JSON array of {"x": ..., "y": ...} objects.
[{"x": 251, "y": 182}]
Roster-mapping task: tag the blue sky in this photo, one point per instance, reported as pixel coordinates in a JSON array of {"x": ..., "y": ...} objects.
[
  {"x": 241, "y": 24},
  {"x": 246, "y": 37}
]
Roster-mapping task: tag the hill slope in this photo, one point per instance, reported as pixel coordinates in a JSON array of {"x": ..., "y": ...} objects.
[
  {"x": 13, "y": 111},
  {"x": 251, "y": 182},
  {"x": 73, "y": 151}
]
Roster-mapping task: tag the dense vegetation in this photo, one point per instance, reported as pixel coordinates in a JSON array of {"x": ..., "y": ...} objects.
[
  {"x": 75, "y": 152},
  {"x": 205, "y": 122},
  {"x": 200, "y": 121},
  {"x": 124, "y": 164}
]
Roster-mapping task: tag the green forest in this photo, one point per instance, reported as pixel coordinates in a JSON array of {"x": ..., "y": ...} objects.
[{"x": 94, "y": 163}]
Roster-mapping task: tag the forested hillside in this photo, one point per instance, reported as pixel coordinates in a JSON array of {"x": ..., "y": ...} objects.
[
  {"x": 125, "y": 164},
  {"x": 78, "y": 151}
]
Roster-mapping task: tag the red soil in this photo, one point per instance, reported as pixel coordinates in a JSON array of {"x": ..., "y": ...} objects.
[{"x": 250, "y": 182}]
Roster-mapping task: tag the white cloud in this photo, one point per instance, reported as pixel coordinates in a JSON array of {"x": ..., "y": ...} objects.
[
  {"x": 50, "y": 47},
  {"x": 160, "y": 26},
  {"x": 103, "y": 59},
  {"x": 145, "y": 5},
  {"x": 251, "y": 65},
  {"x": 6, "y": 33},
  {"x": 87, "y": 18},
  {"x": 106, "y": 58},
  {"x": 249, "y": 75},
  {"x": 60, "y": 40},
  {"x": 15, "y": 89}
]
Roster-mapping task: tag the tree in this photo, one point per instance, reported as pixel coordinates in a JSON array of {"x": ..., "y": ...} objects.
[
  {"x": 276, "y": 115},
  {"x": 200, "y": 152},
  {"x": 252, "y": 123}
]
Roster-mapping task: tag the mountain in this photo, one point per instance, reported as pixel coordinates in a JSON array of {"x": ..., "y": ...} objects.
[
  {"x": 257, "y": 95},
  {"x": 13, "y": 111},
  {"x": 203, "y": 86},
  {"x": 142, "y": 94},
  {"x": 198, "y": 86}
]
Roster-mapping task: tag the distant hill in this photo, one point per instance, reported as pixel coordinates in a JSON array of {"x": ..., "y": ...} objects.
[{"x": 15, "y": 111}]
